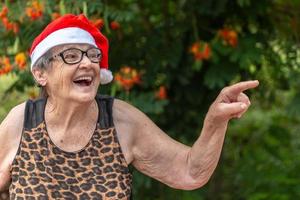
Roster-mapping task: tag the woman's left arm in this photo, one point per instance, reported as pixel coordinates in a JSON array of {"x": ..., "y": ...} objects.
[{"x": 157, "y": 155}]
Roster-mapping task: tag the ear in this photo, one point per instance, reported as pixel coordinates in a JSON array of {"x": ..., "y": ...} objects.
[{"x": 40, "y": 76}]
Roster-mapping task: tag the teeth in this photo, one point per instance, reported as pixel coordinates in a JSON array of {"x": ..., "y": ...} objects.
[{"x": 84, "y": 78}]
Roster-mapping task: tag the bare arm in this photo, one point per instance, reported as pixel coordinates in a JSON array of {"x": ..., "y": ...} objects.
[
  {"x": 10, "y": 135},
  {"x": 157, "y": 155},
  {"x": 205, "y": 153}
]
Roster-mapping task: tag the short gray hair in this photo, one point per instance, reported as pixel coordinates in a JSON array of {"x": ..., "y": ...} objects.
[{"x": 43, "y": 63}]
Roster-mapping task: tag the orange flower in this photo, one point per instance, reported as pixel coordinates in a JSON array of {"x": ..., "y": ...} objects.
[
  {"x": 198, "y": 56},
  {"x": 99, "y": 23},
  {"x": 114, "y": 25},
  {"x": 4, "y": 12},
  {"x": 206, "y": 51},
  {"x": 201, "y": 52},
  {"x": 127, "y": 77},
  {"x": 161, "y": 94},
  {"x": 195, "y": 48},
  {"x": 20, "y": 60},
  {"x": 229, "y": 36},
  {"x": 9, "y": 26},
  {"x": 35, "y": 11},
  {"x": 15, "y": 28},
  {"x": 126, "y": 70},
  {"x": 55, "y": 15},
  {"x": 6, "y": 23},
  {"x": 6, "y": 66}
]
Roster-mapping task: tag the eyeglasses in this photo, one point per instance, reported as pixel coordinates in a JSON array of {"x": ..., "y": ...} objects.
[{"x": 73, "y": 55}]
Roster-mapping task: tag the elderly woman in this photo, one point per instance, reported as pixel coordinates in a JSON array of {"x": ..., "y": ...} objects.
[{"x": 75, "y": 144}]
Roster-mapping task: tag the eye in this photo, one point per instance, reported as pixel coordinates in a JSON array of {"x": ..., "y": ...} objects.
[
  {"x": 72, "y": 55},
  {"x": 94, "y": 53}
]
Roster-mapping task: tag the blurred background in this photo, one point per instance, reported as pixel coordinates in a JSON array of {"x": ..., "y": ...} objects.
[{"x": 170, "y": 58}]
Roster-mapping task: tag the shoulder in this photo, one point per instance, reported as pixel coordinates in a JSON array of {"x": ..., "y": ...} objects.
[
  {"x": 127, "y": 113},
  {"x": 11, "y": 127},
  {"x": 127, "y": 121},
  {"x": 15, "y": 115},
  {"x": 10, "y": 135},
  {"x": 138, "y": 127}
]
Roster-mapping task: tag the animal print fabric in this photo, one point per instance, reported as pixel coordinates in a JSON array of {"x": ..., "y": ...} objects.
[{"x": 41, "y": 170}]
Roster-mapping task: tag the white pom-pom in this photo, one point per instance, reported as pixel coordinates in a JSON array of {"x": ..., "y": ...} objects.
[{"x": 105, "y": 76}]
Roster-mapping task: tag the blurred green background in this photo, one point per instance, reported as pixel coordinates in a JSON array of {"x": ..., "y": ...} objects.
[{"x": 170, "y": 59}]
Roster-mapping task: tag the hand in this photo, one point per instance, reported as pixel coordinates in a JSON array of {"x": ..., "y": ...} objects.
[{"x": 231, "y": 102}]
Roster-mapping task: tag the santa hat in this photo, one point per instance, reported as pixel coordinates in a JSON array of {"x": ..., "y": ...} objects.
[{"x": 70, "y": 29}]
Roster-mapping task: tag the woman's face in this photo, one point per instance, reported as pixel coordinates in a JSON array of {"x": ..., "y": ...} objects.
[{"x": 75, "y": 82}]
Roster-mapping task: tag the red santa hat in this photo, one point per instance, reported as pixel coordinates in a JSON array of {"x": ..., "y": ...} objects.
[{"x": 72, "y": 29}]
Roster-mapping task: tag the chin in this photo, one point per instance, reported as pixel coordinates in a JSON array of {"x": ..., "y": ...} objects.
[
  {"x": 84, "y": 97},
  {"x": 84, "y": 94}
]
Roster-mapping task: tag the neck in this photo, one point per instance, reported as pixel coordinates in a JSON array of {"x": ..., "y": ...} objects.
[{"x": 65, "y": 114}]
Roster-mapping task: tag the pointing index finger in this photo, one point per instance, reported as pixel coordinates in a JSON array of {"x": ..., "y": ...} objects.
[{"x": 242, "y": 86}]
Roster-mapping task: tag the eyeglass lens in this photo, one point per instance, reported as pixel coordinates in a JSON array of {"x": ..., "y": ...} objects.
[{"x": 72, "y": 56}]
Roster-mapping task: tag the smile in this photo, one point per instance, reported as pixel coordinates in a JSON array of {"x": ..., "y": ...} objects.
[{"x": 83, "y": 81}]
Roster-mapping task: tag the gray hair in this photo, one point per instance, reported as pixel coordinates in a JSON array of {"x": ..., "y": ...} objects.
[{"x": 43, "y": 64}]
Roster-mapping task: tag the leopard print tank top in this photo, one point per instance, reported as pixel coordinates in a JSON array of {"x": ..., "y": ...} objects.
[{"x": 41, "y": 170}]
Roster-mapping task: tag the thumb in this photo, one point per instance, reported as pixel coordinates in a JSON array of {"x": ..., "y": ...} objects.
[{"x": 232, "y": 109}]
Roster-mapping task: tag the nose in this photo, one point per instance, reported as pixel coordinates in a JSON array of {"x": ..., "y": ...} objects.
[{"x": 85, "y": 61}]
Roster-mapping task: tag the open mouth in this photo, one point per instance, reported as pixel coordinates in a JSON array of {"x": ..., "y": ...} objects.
[{"x": 83, "y": 81}]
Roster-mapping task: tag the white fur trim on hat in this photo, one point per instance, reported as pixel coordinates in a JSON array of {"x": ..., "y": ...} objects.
[
  {"x": 61, "y": 36},
  {"x": 105, "y": 76}
]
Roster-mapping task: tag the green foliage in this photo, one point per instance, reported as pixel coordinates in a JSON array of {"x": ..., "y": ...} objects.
[
  {"x": 260, "y": 159},
  {"x": 11, "y": 99}
]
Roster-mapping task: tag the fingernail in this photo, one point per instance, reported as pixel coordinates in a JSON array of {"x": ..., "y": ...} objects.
[{"x": 243, "y": 106}]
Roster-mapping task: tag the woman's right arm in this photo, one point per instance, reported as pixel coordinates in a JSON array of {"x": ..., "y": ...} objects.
[{"x": 10, "y": 135}]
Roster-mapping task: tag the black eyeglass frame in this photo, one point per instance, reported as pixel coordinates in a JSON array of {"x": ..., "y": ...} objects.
[{"x": 61, "y": 54}]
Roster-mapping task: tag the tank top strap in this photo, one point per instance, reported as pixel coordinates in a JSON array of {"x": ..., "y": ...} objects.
[
  {"x": 105, "y": 104},
  {"x": 34, "y": 113}
]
